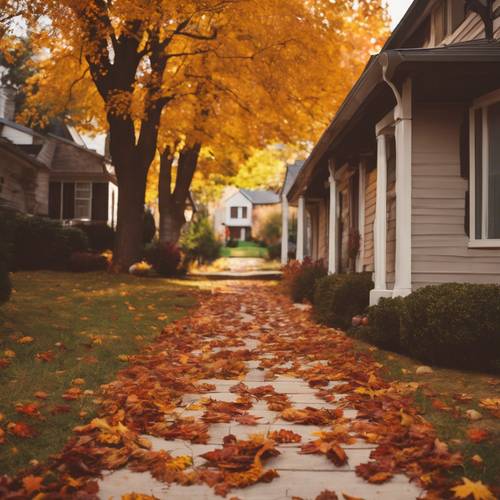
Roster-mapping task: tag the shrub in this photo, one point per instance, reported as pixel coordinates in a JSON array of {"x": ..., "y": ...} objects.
[
  {"x": 100, "y": 236},
  {"x": 337, "y": 298},
  {"x": 384, "y": 327},
  {"x": 232, "y": 243},
  {"x": 300, "y": 279},
  {"x": 164, "y": 257},
  {"x": 455, "y": 325},
  {"x": 149, "y": 228},
  {"x": 274, "y": 251},
  {"x": 39, "y": 243},
  {"x": 81, "y": 262},
  {"x": 269, "y": 231},
  {"x": 199, "y": 243}
]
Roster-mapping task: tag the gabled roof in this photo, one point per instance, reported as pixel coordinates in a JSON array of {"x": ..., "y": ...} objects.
[
  {"x": 291, "y": 174},
  {"x": 26, "y": 158},
  {"x": 261, "y": 197},
  {"x": 459, "y": 59}
]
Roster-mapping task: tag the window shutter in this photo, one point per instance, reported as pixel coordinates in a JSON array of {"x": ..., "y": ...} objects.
[
  {"x": 100, "y": 201},
  {"x": 55, "y": 200},
  {"x": 68, "y": 200}
]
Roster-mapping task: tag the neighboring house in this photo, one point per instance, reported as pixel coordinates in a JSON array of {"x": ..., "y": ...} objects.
[
  {"x": 405, "y": 181},
  {"x": 54, "y": 174},
  {"x": 241, "y": 211},
  {"x": 291, "y": 174}
]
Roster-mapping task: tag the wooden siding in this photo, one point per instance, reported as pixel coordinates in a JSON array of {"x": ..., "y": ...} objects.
[
  {"x": 370, "y": 201},
  {"x": 323, "y": 230},
  {"x": 472, "y": 28},
  {"x": 439, "y": 244}
]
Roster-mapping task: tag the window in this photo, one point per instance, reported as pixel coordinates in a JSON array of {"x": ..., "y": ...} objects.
[
  {"x": 244, "y": 212},
  {"x": 446, "y": 18},
  {"x": 485, "y": 171},
  {"x": 83, "y": 200},
  {"x": 234, "y": 212}
]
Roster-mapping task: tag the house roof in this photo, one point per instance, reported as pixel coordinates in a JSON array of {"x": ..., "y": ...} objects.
[
  {"x": 447, "y": 68},
  {"x": 291, "y": 174},
  {"x": 261, "y": 197}
]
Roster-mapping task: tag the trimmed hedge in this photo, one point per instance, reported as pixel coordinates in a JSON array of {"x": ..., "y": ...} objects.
[
  {"x": 385, "y": 323},
  {"x": 339, "y": 297},
  {"x": 455, "y": 325}
]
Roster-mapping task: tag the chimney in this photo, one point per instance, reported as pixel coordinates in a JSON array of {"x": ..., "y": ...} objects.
[{"x": 7, "y": 103}]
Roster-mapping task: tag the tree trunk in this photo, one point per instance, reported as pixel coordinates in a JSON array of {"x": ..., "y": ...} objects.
[
  {"x": 130, "y": 220},
  {"x": 172, "y": 204}
]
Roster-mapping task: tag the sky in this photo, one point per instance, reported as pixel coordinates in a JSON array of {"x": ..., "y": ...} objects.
[{"x": 397, "y": 9}]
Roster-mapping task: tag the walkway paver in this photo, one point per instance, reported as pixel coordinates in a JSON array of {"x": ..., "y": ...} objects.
[{"x": 300, "y": 475}]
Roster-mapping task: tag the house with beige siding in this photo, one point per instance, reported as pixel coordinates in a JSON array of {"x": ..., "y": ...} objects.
[
  {"x": 405, "y": 181},
  {"x": 53, "y": 174}
]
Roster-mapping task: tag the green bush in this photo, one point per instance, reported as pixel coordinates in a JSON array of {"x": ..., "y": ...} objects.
[
  {"x": 339, "y": 297},
  {"x": 100, "y": 236},
  {"x": 164, "y": 257},
  {"x": 299, "y": 278},
  {"x": 455, "y": 325},
  {"x": 274, "y": 251},
  {"x": 384, "y": 327},
  {"x": 198, "y": 242},
  {"x": 40, "y": 243}
]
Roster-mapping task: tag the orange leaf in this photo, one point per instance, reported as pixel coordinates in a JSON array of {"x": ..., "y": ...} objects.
[
  {"x": 20, "y": 429},
  {"x": 476, "y": 434},
  {"x": 380, "y": 477},
  {"x": 32, "y": 483}
]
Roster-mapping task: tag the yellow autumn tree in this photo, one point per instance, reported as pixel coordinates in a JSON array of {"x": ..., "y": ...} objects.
[{"x": 195, "y": 75}]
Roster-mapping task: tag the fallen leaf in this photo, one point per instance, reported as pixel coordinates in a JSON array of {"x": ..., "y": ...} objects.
[
  {"x": 473, "y": 415},
  {"x": 477, "y": 490},
  {"x": 25, "y": 340},
  {"x": 41, "y": 395},
  {"x": 20, "y": 429},
  {"x": 380, "y": 477},
  {"x": 476, "y": 434},
  {"x": 32, "y": 483},
  {"x": 424, "y": 370}
]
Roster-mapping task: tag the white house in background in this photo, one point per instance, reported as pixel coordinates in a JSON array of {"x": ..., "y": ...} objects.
[
  {"x": 241, "y": 210},
  {"x": 53, "y": 174}
]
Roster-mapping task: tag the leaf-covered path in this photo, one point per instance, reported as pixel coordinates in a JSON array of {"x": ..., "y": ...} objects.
[{"x": 249, "y": 398}]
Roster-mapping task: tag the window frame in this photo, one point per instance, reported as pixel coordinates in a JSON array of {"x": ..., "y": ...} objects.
[
  {"x": 79, "y": 198},
  {"x": 231, "y": 216},
  {"x": 482, "y": 103}
]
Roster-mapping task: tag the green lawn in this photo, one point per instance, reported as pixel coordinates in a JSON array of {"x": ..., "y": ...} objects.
[
  {"x": 246, "y": 249},
  {"x": 80, "y": 325},
  {"x": 444, "y": 397}
]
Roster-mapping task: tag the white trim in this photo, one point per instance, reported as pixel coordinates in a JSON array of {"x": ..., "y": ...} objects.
[
  {"x": 89, "y": 200},
  {"x": 380, "y": 223},
  {"x": 386, "y": 122},
  {"x": 483, "y": 103},
  {"x": 284, "y": 229},
  {"x": 484, "y": 243},
  {"x": 300, "y": 228},
  {"x": 486, "y": 100},
  {"x": 403, "y": 275}
]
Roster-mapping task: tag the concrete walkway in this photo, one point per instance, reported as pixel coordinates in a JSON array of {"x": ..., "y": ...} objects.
[{"x": 300, "y": 476}]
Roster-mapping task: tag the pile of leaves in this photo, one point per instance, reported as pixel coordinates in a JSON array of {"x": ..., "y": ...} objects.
[{"x": 147, "y": 396}]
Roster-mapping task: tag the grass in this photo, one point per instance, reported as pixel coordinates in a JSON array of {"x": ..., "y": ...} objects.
[
  {"x": 245, "y": 249},
  {"x": 451, "y": 424},
  {"x": 81, "y": 324}
]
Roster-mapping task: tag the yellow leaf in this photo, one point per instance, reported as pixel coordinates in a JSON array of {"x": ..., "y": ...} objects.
[
  {"x": 477, "y": 490},
  {"x": 123, "y": 357},
  {"x": 25, "y": 340},
  {"x": 138, "y": 496},
  {"x": 78, "y": 381},
  {"x": 8, "y": 353}
]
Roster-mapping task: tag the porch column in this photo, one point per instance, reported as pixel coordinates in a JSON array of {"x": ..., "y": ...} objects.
[
  {"x": 284, "y": 230},
  {"x": 332, "y": 226},
  {"x": 242, "y": 234},
  {"x": 380, "y": 225},
  {"x": 301, "y": 214},
  {"x": 402, "y": 285}
]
